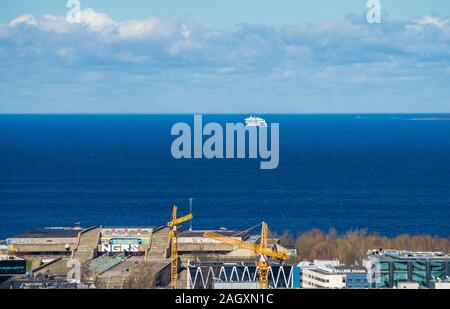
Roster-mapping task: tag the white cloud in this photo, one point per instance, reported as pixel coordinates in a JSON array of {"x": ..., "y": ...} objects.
[
  {"x": 325, "y": 50},
  {"x": 26, "y": 19},
  {"x": 96, "y": 21},
  {"x": 434, "y": 21},
  {"x": 51, "y": 23},
  {"x": 183, "y": 46},
  {"x": 136, "y": 29},
  {"x": 89, "y": 18},
  {"x": 152, "y": 27}
]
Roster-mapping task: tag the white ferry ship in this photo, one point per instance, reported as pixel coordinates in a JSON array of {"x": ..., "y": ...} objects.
[{"x": 255, "y": 122}]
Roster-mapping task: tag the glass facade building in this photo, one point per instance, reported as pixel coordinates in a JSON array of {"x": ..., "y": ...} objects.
[
  {"x": 356, "y": 281},
  {"x": 388, "y": 268}
]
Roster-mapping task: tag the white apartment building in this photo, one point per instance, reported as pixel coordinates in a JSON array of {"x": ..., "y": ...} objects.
[
  {"x": 332, "y": 275},
  {"x": 321, "y": 278}
]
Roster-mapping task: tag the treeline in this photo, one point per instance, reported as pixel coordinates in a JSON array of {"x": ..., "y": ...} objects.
[{"x": 352, "y": 247}]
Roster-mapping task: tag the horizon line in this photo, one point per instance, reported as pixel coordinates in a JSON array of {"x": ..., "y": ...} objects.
[{"x": 241, "y": 113}]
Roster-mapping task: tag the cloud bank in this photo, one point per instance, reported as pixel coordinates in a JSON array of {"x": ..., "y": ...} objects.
[{"x": 176, "y": 65}]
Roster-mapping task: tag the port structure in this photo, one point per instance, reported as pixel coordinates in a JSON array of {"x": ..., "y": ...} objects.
[
  {"x": 173, "y": 234},
  {"x": 261, "y": 248}
]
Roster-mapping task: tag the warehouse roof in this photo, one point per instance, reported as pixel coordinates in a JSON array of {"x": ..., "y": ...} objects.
[
  {"x": 200, "y": 233},
  {"x": 49, "y": 234}
]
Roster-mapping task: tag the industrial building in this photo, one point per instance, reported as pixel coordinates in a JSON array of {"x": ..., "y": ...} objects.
[
  {"x": 135, "y": 240},
  {"x": 44, "y": 243},
  {"x": 108, "y": 256},
  {"x": 388, "y": 268}
]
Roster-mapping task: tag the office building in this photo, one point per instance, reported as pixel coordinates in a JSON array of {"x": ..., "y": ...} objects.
[{"x": 389, "y": 267}]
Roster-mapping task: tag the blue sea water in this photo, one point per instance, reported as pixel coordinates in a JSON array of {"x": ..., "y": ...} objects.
[{"x": 387, "y": 173}]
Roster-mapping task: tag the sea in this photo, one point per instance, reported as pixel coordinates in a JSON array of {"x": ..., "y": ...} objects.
[{"x": 389, "y": 174}]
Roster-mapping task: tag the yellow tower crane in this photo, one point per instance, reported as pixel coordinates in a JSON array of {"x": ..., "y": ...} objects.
[
  {"x": 261, "y": 248},
  {"x": 173, "y": 244}
]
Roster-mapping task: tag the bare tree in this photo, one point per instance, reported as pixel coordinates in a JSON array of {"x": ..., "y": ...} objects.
[{"x": 352, "y": 247}]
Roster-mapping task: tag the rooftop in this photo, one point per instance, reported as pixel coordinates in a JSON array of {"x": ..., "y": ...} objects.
[
  {"x": 335, "y": 269},
  {"x": 48, "y": 234},
  {"x": 407, "y": 255},
  {"x": 200, "y": 233},
  {"x": 129, "y": 227},
  {"x": 323, "y": 271},
  {"x": 350, "y": 269}
]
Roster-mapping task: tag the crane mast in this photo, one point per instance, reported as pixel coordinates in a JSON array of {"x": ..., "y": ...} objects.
[
  {"x": 173, "y": 235},
  {"x": 263, "y": 266}
]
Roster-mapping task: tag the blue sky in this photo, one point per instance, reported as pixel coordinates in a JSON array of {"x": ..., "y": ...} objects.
[
  {"x": 225, "y": 14},
  {"x": 203, "y": 56}
]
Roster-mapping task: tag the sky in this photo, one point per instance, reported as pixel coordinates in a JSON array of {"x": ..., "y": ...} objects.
[
  {"x": 225, "y": 14},
  {"x": 205, "y": 56}
]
